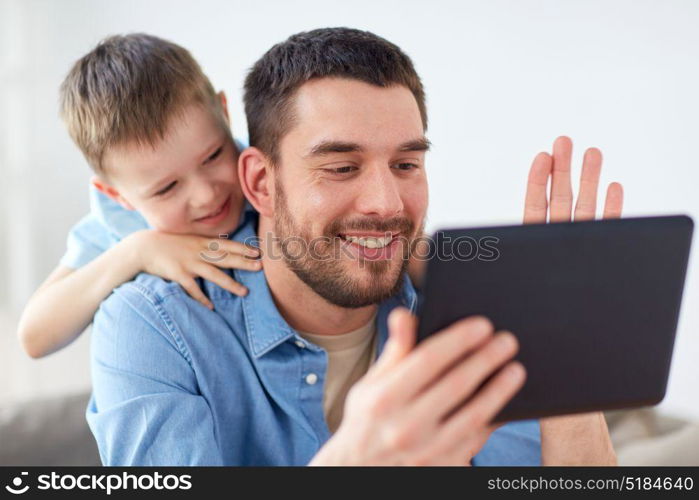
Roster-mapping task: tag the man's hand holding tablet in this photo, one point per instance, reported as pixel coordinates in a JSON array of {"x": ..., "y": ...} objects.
[{"x": 409, "y": 408}]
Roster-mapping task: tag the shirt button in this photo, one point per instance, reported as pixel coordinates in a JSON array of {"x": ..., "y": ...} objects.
[
  {"x": 311, "y": 378},
  {"x": 300, "y": 344}
]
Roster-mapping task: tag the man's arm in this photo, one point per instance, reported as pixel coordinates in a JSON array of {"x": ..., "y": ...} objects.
[
  {"x": 586, "y": 433},
  {"x": 572, "y": 439},
  {"x": 146, "y": 408}
]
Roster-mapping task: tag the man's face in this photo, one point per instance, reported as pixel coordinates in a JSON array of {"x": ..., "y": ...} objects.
[
  {"x": 350, "y": 188},
  {"x": 187, "y": 182}
]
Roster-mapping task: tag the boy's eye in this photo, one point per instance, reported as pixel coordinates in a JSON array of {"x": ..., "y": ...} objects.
[
  {"x": 166, "y": 189},
  {"x": 214, "y": 155}
]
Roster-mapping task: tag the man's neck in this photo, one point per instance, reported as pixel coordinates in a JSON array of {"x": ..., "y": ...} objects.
[{"x": 302, "y": 307}]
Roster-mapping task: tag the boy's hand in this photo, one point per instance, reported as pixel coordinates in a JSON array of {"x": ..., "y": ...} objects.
[
  {"x": 184, "y": 257},
  {"x": 571, "y": 439}
]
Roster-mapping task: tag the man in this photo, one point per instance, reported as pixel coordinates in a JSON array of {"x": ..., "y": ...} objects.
[{"x": 336, "y": 172}]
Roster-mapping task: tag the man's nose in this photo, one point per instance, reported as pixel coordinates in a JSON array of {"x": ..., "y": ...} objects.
[{"x": 380, "y": 193}]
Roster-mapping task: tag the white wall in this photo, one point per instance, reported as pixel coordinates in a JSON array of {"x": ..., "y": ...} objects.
[{"x": 503, "y": 78}]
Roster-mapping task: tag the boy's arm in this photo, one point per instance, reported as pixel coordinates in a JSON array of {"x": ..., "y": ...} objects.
[{"x": 66, "y": 301}]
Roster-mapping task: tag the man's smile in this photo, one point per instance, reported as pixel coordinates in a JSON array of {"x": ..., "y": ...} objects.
[{"x": 372, "y": 246}]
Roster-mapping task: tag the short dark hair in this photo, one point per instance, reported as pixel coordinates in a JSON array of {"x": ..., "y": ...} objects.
[{"x": 327, "y": 52}]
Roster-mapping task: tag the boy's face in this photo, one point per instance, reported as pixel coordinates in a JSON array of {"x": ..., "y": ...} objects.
[{"x": 187, "y": 183}]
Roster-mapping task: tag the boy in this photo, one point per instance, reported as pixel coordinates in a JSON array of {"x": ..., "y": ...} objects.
[{"x": 157, "y": 136}]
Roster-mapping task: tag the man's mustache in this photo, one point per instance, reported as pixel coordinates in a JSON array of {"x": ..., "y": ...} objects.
[{"x": 396, "y": 224}]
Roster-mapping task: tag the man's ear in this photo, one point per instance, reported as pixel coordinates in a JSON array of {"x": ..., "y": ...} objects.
[
  {"x": 103, "y": 187},
  {"x": 257, "y": 180},
  {"x": 224, "y": 106}
]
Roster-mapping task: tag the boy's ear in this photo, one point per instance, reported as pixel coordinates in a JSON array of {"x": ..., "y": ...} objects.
[
  {"x": 103, "y": 187},
  {"x": 257, "y": 180},
  {"x": 224, "y": 106}
]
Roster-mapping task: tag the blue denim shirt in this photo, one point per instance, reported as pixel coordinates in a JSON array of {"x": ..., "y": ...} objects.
[{"x": 178, "y": 384}]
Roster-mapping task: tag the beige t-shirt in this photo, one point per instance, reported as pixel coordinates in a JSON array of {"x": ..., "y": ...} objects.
[{"x": 349, "y": 358}]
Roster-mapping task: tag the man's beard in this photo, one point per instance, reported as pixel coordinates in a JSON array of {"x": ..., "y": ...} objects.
[{"x": 317, "y": 261}]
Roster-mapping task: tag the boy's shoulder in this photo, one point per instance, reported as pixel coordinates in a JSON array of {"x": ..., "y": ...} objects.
[{"x": 105, "y": 226}]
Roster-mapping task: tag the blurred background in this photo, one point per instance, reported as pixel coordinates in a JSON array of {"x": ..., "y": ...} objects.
[{"x": 503, "y": 79}]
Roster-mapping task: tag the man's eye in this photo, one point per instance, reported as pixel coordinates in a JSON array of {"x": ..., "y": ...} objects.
[
  {"x": 406, "y": 166},
  {"x": 166, "y": 189},
  {"x": 342, "y": 170},
  {"x": 214, "y": 155}
]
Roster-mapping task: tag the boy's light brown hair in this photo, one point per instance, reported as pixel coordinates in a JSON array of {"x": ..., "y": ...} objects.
[{"x": 127, "y": 89}]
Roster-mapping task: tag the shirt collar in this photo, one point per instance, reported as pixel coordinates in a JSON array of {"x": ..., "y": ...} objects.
[
  {"x": 265, "y": 326},
  {"x": 120, "y": 221}
]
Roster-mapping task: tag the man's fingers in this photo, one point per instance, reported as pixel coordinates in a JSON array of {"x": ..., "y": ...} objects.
[
  {"x": 465, "y": 450},
  {"x": 586, "y": 206},
  {"x": 435, "y": 356},
  {"x": 211, "y": 273},
  {"x": 456, "y": 386},
  {"x": 614, "y": 202},
  {"x": 561, "y": 200},
  {"x": 485, "y": 405},
  {"x": 190, "y": 286},
  {"x": 466, "y": 431},
  {"x": 536, "y": 199},
  {"x": 402, "y": 328}
]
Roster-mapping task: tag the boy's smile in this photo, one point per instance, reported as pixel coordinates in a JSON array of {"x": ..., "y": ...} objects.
[{"x": 217, "y": 215}]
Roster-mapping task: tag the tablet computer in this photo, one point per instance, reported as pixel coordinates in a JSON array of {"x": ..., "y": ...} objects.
[{"x": 593, "y": 304}]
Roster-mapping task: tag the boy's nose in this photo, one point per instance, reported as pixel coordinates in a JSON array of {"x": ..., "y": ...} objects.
[{"x": 203, "y": 195}]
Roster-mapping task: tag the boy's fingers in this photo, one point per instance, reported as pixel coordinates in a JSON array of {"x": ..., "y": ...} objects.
[
  {"x": 211, "y": 273},
  {"x": 213, "y": 250},
  {"x": 190, "y": 286},
  {"x": 238, "y": 248},
  {"x": 235, "y": 261}
]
